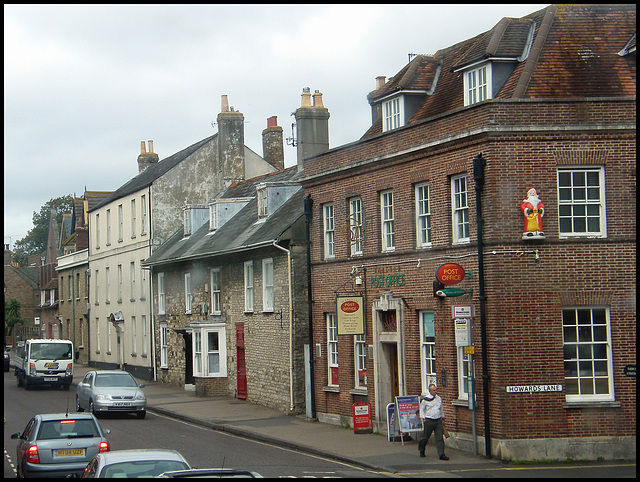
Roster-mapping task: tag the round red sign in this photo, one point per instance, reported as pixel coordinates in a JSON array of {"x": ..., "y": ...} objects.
[
  {"x": 450, "y": 273},
  {"x": 349, "y": 306}
]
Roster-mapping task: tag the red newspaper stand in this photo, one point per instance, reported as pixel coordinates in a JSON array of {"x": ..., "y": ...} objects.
[{"x": 362, "y": 418}]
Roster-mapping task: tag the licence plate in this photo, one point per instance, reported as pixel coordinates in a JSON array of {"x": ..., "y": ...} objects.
[
  {"x": 69, "y": 452},
  {"x": 50, "y": 379},
  {"x": 121, "y": 404}
]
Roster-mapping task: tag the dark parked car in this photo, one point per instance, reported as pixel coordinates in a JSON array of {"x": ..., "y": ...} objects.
[
  {"x": 7, "y": 360},
  {"x": 103, "y": 391},
  {"x": 135, "y": 463},
  {"x": 58, "y": 444}
]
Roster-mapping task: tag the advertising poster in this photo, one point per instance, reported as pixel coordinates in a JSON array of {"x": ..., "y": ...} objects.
[
  {"x": 408, "y": 410},
  {"x": 350, "y": 315}
]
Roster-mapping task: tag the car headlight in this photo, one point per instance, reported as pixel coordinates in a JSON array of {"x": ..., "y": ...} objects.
[
  {"x": 139, "y": 396},
  {"x": 102, "y": 397}
]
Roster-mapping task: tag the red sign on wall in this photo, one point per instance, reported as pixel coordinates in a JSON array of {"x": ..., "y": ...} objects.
[{"x": 450, "y": 273}]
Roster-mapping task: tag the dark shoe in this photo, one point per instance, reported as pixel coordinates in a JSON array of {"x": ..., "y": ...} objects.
[
  {"x": 444, "y": 457},
  {"x": 421, "y": 454}
]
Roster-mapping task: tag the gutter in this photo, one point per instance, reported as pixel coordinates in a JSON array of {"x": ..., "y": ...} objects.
[{"x": 291, "y": 405}]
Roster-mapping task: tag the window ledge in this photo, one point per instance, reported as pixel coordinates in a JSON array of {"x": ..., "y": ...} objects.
[
  {"x": 359, "y": 391},
  {"x": 333, "y": 389},
  {"x": 595, "y": 404},
  {"x": 460, "y": 402}
]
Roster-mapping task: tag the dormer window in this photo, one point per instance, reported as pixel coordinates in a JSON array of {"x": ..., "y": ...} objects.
[
  {"x": 393, "y": 115},
  {"x": 263, "y": 203},
  {"x": 477, "y": 85},
  {"x": 187, "y": 221},
  {"x": 213, "y": 216}
]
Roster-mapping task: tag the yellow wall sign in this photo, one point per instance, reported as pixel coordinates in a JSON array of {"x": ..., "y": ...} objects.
[{"x": 350, "y": 315}]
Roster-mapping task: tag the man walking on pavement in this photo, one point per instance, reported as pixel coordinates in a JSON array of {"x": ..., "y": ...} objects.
[{"x": 431, "y": 413}]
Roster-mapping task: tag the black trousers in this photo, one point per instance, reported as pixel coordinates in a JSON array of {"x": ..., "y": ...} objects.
[{"x": 432, "y": 425}]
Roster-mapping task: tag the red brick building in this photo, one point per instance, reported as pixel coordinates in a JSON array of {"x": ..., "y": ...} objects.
[{"x": 547, "y": 101}]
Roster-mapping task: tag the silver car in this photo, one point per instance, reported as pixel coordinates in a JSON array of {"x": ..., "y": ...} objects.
[
  {"x": 58, "y": 445},
  {"x": 135, "y": 463},
  {"x": 104, "y": 391}
]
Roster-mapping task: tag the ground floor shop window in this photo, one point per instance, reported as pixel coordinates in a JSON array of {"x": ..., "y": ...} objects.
[
  {"x": 164, "y": 356},
  {"x": 209, "y": 351},
  {"x": 332, "y": 348},
  {"x": 465, "y": 367},
  {"x": 427, "y": 350},
  {"x": 587, "y": 354}
]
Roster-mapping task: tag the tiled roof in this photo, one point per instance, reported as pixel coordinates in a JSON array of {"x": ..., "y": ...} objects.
[
  {"x": 576, "y": 51},
  {"x": 242, "y": 231}
]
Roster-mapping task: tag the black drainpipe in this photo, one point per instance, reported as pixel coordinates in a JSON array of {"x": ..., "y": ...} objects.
[
  {"x": 308, "y": 212},
  {"x": 478, "y": 177}
]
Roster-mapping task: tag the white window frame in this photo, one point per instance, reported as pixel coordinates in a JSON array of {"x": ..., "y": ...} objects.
[
  {"x": 263, "y": 202},
  {"x": 187, "y": 293},
  {"x": 108, "y": 227},
  {"x": 578, "y": 199},
  {"x": 186, "y": 219},
  {"x": 97, "y": 231},
  {"x": 427, "y": 349},
  {"x": 119, "y": 283},
  {"x": 202, "y": 351},
  {"x": 143, "y": 283},
  {"x": 360, "y": 360},
  {"x": 213, "y": 216},
  {"x": 464, "y": 364},
  {"x": 43, "y": 297},
  {"x": 143, "y": 220},
  {"x": 387, "y": 221},
  {"x": 216, "y": 309},
  {"x": 97, "y": 335},
  {"x": 97, "y": 283},
  {"x": 332, "y": 348},
  {"x": 582, "y": 365},
  {"x": 477, "y": 84},
  {"x": 393, "y": 113},
  {"x": 108, "y": 284},
  {"x": 164, "y": 348},
  {"x": 108, "y": 337},
  {"x": 355, "y": 225},
  {"x": 120, "y": 224},
  {"x": 460, "y": 209},
  {"x": 134, "y": 335},
  {"x": 423, "y": 216},
  {"x": 161, "y": 295},
  {"x": 329, "y": 231},
  {"x": 248, "y": 286},
  {"x": 268, "y": 295},
  {"x": 145, "y": 335},
  {"x": 133, "y": 218},
  {"x": 132, "y": 270}
]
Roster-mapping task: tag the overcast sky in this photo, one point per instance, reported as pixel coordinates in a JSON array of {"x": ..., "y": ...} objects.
[{"x": 84, "y": 84}]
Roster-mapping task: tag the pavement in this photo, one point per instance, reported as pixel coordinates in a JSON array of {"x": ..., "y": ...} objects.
[{"x": 239, "y": 417}]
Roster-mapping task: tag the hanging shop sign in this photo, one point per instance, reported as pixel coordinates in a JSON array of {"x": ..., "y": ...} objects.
[
  {"x": 450, "y": 273},
  {"x": 350, "y": 315},
  {"x": 453, "y": 292}
]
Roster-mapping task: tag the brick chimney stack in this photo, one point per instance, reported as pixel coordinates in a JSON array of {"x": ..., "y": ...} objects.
[
  {"x": 145, "y": 159},
  {"x": 272, "y": 146},
  {"x": 312, "y": 127},
  {"x": 230, "y": 144}
]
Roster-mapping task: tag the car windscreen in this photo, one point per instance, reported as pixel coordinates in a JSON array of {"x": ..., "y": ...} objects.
[
  {"x": 51, "y": 351},
  {"x": 56, "y": 429},
  {"x": 115, "y": 380},
  {"x": 142, "y": 468}
]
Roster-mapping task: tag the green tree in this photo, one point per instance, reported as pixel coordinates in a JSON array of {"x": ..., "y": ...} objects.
[
  {"x": 36, "y": 239},
  {"x": 12, "y": 316}
]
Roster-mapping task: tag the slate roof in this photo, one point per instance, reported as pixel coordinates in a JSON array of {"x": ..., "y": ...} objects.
[
  {"x": 576, "y": 51},
  {"x": 243, "y": 231},
  {"x": 151, "y": 173},
  {"x": 29, "y": 274}
]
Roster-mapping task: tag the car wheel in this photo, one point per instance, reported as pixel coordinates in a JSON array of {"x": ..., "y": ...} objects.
[
  {"x": 142, "y": 414},
  {"x": 19, "y": 378},
  {"x": 78, "y": 407},
  {"x": 91, "y": 408},
  {"x": 26, "y": 383}
]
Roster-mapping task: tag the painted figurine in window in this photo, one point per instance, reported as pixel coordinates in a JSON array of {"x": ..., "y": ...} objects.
[{"x": 533, "y": 211}]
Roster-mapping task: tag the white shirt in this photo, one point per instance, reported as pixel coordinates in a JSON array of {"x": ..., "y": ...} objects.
[{"x": 431, "y": 408}]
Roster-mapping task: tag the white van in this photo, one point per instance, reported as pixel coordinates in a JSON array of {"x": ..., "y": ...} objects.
[{"x": 44, "y": 362}]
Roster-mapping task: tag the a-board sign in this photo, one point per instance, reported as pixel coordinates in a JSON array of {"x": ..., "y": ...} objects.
[
  {"x": 362, "y": 418},
  {"x": 408, "y": 410}
]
